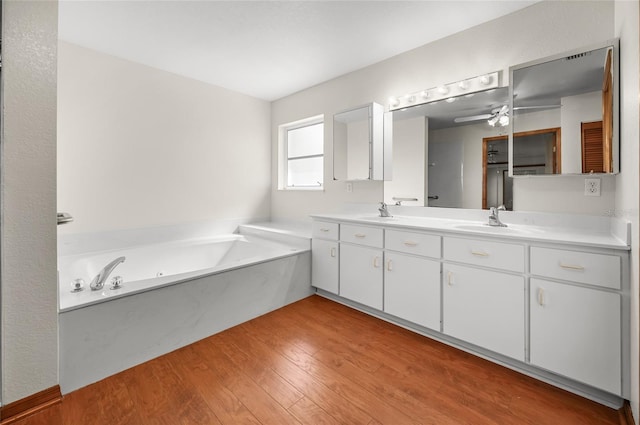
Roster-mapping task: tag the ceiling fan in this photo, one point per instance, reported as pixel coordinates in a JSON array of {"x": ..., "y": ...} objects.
[{"x": 499, "y": 116}]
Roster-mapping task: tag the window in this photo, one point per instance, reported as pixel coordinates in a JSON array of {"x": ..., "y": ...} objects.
[{"x": 302, "y": 154}]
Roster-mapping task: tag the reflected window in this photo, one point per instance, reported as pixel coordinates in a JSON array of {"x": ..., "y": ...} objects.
[{"x": 302, "y": 154}]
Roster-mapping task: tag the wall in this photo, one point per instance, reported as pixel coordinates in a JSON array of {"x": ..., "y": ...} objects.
[
  {"x": 29, "y": 284},
  {"x": 140, "y": 147},
  {"x": 540, "y": 30},
  {"x": 627, "y": 21},
  {"x": 575, "y": 111},
  {"x": 409, "y": 158}
]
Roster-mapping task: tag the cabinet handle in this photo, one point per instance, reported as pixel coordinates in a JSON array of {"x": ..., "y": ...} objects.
[
  {"x": 541, "y": 297},
  {"x": 411, "y": 243},
  {"x": 376, "y": 262},
  {"x": 333, "y": 252},
  {"x": 479, "y": 253},
  {"x": 450, "y": 278},
  {"x": 359, "y": 235},
  {"x": 389, "y": 265},
  {"x": 571, "y": 266},
  {"x": 324, "y": 230}
]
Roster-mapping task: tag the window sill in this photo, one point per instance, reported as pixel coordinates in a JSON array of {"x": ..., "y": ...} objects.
[{"x": 303, "y": 189}]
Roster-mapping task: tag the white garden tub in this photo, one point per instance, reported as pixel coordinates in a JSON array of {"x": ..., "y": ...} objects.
[{"x": 173, "y": 294}]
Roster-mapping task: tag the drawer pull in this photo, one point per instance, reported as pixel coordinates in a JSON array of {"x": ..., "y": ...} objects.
[
  {"x": 479, "y": 253},
  {"x": 571, "y": 266},
  {"x": 324, "y": 229},
  {"x": 376, "y": 262},
  {"x": 541, "y": 297},
  {"x": 411, "y": 243},
  {"x": 360, "y": 235},
  {"x": 450, "y": 278},
  {"x": 389, "y": 265},
  {"x": 333, "y": 252}
]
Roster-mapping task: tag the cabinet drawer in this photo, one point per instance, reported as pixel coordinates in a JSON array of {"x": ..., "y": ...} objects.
[
  {"x": 412, "y": 243},
  {"x": 499, "y": 255},
  {"x": 592, "y": 269},
  {"x": 325, "y": 230},
  {"x": 362, "y": 235}
]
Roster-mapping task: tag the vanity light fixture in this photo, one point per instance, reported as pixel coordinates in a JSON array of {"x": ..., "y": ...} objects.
[{"x": 447, "y": 92}]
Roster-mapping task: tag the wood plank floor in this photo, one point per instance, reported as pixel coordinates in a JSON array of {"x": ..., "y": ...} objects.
[{"x": 318, "y": 362}]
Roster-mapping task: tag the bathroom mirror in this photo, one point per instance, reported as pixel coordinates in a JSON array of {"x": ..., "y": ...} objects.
[
  {"x": 575, "y": 93},
  {"x": 362, "y": 144},
  {"x": 447, "y": 154}
]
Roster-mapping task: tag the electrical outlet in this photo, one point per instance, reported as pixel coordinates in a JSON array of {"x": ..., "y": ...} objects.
[
  {"x": 349, "y": 187},
  {"x": 591, "y": 187}
]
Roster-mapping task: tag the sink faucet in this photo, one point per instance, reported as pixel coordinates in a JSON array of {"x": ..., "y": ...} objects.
[
  {"x": 383, "y": 210},
  {"x": 494, "y": 219},
  {"x": 98, "y": 282}
]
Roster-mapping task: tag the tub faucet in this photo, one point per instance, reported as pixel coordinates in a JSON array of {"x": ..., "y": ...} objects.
[
  {"x": 494, "y": 219},
  {"x": 383, "y": 210},
  {"x": 98, "y": 282}
]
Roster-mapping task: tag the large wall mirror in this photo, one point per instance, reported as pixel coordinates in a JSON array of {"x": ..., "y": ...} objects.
[
  {"x": 452, "y": 153},
  {"x": 569, "y": 102}
]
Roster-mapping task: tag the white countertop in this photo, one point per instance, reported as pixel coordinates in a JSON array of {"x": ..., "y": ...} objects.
[{"x": 585, "y": 231}]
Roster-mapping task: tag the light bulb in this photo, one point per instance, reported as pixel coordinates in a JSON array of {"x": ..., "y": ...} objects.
[
  {"x": 443, "y": 89},
  {"x": 485, "y": 80},
  {"x": 425, "y": 94},
  {"x": 463, "y": 85},
  {"x": 394, "y": 101}
]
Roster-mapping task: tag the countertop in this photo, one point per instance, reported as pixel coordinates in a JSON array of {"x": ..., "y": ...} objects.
[{"x": 580, "y": 231}]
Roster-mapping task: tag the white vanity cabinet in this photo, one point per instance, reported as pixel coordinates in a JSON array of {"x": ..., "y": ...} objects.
[
  {"x": 575, "y": 329},
  {"x": 324, "y": 256},
  {"x": 485, "y": 307},
  {"x": 411, "y": 278},
  {"x": 361, "y": 265}
]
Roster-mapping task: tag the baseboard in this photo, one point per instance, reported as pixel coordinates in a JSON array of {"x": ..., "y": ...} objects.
[
  {"x": 626, "y": 416},
  {"x": 22, "y": 408}
]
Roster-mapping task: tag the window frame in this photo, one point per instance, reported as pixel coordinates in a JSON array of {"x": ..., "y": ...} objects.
[{"x": 283, "y": 148}]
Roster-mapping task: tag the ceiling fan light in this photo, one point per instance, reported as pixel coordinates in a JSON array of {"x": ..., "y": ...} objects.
[
  {"x": 504, "y": 120},
  {"x": 492, "y": 121}
]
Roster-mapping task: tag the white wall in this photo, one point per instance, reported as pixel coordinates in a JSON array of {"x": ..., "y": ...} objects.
[
  {"x": 576, "y": 110},
  {"x": 543, "y": 29},
  {"x": 408, "y": 162},
  {"x": 140, "y": 147},
  {"x": 29, "y": 284},
  {"x": 627, "y": 17}
]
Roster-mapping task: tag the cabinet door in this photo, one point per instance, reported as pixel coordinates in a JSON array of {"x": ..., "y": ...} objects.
[
  {"x": 484, "y": 308},
  {"x": 412, "y": 289},
  {"x": 575, "y": 332},
  {"x": 324, "y": 265},
  {"x": 361, "y": 274}
]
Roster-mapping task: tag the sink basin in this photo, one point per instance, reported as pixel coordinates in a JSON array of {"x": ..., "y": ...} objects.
[{"x": 485, "y": 228}]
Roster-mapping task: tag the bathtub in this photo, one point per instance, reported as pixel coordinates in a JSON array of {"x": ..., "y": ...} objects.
[
  {"x": 173, "y": 294},
  {"x": 153, "y": 266}
]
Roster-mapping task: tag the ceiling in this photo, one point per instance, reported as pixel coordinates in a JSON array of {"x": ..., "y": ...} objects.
[{"x": 267, "y": 49}]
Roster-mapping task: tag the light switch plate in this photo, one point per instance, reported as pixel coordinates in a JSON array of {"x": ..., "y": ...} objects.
[{"x": 591, "y": 187}]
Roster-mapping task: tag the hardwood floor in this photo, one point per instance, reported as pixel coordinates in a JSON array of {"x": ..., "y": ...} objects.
[{"x": 318, "y": 362}]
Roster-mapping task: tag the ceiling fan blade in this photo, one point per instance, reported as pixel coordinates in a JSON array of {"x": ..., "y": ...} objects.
[{"x": 472, "y": 118}]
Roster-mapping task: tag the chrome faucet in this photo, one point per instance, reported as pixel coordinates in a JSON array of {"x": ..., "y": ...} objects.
[
  {"x": 494, "y": 219},
  {"x": 383, "y": 210},
  {"x": 98, "y": 282}
]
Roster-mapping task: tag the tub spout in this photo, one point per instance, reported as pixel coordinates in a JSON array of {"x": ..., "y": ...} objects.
[{"x": 98, "y": 282}]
